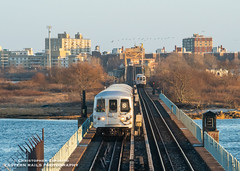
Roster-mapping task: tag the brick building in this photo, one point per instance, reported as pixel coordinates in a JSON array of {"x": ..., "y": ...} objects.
[{"x": 198, "y": 44}]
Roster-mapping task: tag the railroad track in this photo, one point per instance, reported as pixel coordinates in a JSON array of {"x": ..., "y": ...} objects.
[
  {"x": 109, "y": 154},
  {"x": 166, "y": 152}
]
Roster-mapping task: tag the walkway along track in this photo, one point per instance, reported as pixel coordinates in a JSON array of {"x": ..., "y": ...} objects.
[
  {"x": 166, "y": 151},
  {"x": 109, "y": 154}
]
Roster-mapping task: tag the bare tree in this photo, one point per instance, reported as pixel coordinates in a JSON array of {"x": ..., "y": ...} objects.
[
  {"x": 39, "y": 78},
  {"x": 184, "y": 79},
  {"x": 210, "y": 61},
  {"x": 58, "y": 75},
  {"x": 83, "y": 76}
]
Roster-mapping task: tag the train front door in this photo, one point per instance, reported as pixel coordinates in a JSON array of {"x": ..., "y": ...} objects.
[{"x": 112, "y": 111}]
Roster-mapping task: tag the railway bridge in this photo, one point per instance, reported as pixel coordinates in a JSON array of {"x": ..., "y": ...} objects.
[{"x": 163, "y": 137}]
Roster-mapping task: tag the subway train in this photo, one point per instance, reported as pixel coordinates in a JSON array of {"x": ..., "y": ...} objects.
[
  {"x": 140, "y": 80},
  {"x": 113, "y": 110},
  {"x": 130, "y": 63}
]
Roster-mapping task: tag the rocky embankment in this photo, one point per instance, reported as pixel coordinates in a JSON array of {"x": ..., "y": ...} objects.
[{"x": 221, "y": 113}]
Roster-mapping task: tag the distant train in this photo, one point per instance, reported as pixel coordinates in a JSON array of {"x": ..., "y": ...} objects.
[
  {"x": 113, "y": 110},
  {"x": 130, "y": 63},
  {"x": 140, "y": 80}
]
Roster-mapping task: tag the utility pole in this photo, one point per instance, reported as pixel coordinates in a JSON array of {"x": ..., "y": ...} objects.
[
  {"x": 142, "y": 58},
  {"x": 49, "y": 47}
]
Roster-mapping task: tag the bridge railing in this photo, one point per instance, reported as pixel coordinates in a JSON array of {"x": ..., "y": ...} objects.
[
  {"x": 223, "y": 157},
  {"x": 228, "y": 162},
  {"x": 59, "y": 159},
  {"x": 186, "y": 120}
]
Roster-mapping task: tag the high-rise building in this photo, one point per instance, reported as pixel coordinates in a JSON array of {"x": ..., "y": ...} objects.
[
  {"x": 64, "y": 45},
  {"x": 198, "y": 44}
]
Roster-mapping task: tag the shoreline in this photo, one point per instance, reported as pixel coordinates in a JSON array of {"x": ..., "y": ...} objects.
[
  {"x": 193, "y": 116},
  {"x": 46, "y": 118},
  {"x": 72, "y": 111},
  {"x": 220, "y": 113},
  {"x": 56, "y": 111},
  {"x": 73, "y": 117}
]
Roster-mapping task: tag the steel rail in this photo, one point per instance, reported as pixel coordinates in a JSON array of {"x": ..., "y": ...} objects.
[
  {"x": 150, "y": 160},
  {"x": 113, "y": 152},
  {"x": 160, "y": 135},
  {"x": 182, "y": 152},
  {"x": 154, "y": 137},
  {"x": 121, "y": 154},
  {"x": 131, "y": 157},
  {"x": 96, "y": 156}
]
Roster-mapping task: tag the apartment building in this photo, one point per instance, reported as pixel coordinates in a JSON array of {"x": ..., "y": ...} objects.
[
  {"x": 117, "y": 50},
  {"x": 179, "y": 49},
  {"x": 64, "y": 52},
  {"x": 27, "y": 59},
  {"x": 198, "y": 44},
  {"x": 4, "y": 55},
  {"x": 63, "y": 45},
  {"x": 68, "y": 60},
  {"x": 22, "y": 58},
  {"x": 25, "y": 51},
  {"x": 163, "y": 50},
  {"x": 219, "y": 49}
]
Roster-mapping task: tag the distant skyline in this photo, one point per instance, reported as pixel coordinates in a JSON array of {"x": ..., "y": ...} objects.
[{"x": 111, "y": 24}]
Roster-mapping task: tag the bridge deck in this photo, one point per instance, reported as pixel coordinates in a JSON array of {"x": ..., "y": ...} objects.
[
  {"x": 77, "y": 154},
  {"x": 206, "y": 156}
]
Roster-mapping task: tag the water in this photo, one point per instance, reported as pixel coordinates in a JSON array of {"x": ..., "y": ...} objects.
[
  {"x": 57, "y": 132},
  {"x": 229, "y": 135},
  {"x": 14, "y": 132}
]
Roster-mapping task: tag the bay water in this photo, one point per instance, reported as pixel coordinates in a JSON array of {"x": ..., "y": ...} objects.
[
  {"x": 229, "y": 135},
  {"x": 14, "y": 132}
]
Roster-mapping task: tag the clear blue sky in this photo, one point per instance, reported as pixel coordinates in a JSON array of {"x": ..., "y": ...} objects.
[{"x": 111, "y": 23}]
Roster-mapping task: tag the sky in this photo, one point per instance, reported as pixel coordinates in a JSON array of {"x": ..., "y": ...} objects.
[{"x": 111, "y": 24}]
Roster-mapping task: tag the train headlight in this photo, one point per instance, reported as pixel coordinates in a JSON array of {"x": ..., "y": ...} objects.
[
  {"x": 102, "y": 118},
  {"x": 123, "y": 119}
]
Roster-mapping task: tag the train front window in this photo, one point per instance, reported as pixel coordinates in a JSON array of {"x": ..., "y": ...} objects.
[
  {"x": 140, "y": 78},
  {"x": 125, "y": 105},
  {"x": 144, "y": 78},
  {"x": 112, "y": 106},
  {"x": 100, "y": 105}
]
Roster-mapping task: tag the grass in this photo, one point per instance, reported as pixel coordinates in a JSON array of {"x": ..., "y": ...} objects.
[{"x": 27, "y": 99}]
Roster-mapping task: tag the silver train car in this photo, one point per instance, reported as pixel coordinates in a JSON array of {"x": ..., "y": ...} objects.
[
  {"x": 140, "y": 80},
  {"x": 113, "y": 110}
]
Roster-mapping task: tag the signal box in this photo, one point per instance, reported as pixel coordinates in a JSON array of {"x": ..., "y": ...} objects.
[{"x": 209, "y": 124}]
